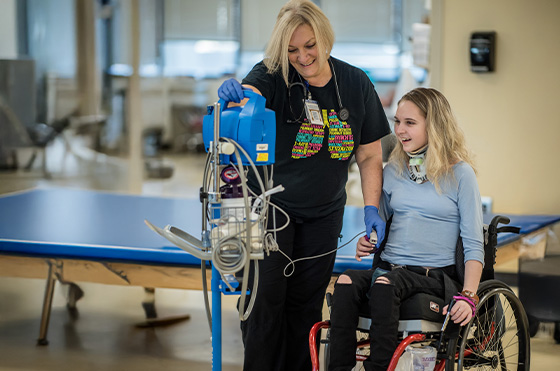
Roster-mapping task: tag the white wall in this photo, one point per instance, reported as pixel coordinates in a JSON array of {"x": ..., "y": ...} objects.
[
  {"x": 8, "y": 29},
  {"x": 510, "y": 116}
]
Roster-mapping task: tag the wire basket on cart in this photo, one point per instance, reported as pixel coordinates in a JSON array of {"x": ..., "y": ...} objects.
[{"x": 235, "y": 238}]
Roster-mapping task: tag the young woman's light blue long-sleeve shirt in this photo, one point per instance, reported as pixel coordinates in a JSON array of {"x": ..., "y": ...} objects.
[{"x": 427, "y": 224}]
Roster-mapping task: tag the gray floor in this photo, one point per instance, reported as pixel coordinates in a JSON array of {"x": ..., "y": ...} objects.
[{"x": 103, "y": 335}]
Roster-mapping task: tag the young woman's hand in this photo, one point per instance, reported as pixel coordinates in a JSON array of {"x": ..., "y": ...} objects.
[
  {"x": 364, "y": 248},
  {"x": 461, "y": 312}
]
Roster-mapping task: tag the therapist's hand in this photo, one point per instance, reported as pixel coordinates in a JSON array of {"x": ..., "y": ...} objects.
[
  {"x": 374, "y": 221},
  {"x": 231, "y": 91}
]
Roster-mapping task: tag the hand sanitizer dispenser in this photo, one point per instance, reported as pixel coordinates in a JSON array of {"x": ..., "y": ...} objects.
[{"x": 482, "y": 51}]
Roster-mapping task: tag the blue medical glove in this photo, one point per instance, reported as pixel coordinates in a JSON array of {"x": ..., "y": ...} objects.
[
  {"x": 374, "y": 221},
  {"x": 231, "y": 91}
]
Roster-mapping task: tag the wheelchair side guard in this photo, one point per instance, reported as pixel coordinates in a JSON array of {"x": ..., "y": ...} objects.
[{"x": 422, "y": 306}]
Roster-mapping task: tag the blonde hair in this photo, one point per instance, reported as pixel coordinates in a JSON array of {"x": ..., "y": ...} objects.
[
  {"x": 292, "y": 15},
  {"x": 446, "y": 141}
]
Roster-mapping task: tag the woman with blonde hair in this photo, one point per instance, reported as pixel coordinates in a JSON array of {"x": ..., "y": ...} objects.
[
  {"x": 326, "y": 112},
  {"x": 431, "y": 194}
]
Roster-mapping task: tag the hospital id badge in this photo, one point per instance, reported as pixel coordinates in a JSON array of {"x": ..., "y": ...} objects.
[{"x": 313, "y": 112}]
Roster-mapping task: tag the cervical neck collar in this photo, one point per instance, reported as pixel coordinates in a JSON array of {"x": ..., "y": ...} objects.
[{"x": 417, "y": 165}]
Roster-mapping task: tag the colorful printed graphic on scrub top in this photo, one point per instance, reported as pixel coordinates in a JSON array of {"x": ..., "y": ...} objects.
[
  {"x": 309, "y": 139},
  {"x": 341, "y": 140}
]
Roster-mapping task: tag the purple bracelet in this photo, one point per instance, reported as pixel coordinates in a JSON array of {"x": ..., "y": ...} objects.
[{"x": 468, "y": 300}]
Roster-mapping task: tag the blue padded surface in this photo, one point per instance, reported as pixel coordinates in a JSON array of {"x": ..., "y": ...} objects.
[
  {"x": 72, "y": 223},
  {"x": 95, "y": 225}
]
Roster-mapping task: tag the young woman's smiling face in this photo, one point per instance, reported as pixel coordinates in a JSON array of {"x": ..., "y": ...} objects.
[
  {"x": 303, "y": 52},
  {"x": 410, "y": 126}
]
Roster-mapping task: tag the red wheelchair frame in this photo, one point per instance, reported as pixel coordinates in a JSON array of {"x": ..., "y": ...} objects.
[{"x": 361, "y": 344}]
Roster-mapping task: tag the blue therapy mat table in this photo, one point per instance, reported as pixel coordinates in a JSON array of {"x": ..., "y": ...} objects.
[{"x": 87, "y": 236}]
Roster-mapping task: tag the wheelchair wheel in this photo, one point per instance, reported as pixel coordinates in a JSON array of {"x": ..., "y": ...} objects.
[{"x": 497, "y": 338}]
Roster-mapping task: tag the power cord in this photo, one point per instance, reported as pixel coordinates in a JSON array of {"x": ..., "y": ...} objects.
[{"x": 293, "y": 262}]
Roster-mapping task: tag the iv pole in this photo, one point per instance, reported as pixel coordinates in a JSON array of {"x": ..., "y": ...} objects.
[{"x": 214, "y": 198}]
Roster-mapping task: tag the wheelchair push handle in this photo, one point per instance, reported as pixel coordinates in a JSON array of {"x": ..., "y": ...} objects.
[
  {"x": 499, "y": 219},
  {"x": 494, "y": 229}
]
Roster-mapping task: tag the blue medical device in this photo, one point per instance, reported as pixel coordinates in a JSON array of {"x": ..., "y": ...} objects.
[
  {"x": 234, "y": 223},
  {"x": 244, "y": 134},
  {"x": 252, "y": 126}
]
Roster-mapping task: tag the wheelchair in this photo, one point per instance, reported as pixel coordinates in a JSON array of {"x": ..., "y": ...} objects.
[{"x": 496, "y": 338}]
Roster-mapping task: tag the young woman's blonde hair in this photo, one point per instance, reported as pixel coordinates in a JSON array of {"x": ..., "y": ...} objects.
[
  {"x": 446, "y": 141},
  {"x": 292, "y": 15}
]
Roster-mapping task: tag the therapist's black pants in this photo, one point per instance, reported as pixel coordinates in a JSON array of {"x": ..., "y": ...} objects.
[{"x": 276, "y": 333}]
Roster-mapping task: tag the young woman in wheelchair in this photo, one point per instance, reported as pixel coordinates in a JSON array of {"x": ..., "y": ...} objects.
[{"x": 431, "y": 195}]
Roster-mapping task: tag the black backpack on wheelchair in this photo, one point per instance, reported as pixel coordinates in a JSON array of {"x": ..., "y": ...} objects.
[{"x": 496, "y": 338}]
